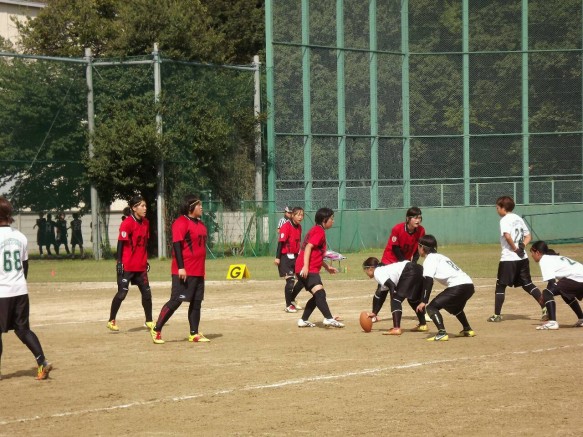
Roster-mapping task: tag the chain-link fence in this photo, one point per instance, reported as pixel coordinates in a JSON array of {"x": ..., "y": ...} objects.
[
  {"x": 116, "y": 123},
  {"x": 394, "y": 103}
]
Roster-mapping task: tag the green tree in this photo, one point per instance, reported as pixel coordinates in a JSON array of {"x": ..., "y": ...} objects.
[{"x": 208, "y": 133}]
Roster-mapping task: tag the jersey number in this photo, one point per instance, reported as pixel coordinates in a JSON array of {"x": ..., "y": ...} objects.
[
  {"x": 12, "y": 261},
  {"x": 518, "y": 236}
]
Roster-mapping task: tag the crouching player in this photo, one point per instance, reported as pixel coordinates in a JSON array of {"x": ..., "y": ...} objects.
[
  {"x": 404, "y": 280},
  {"x": 564, "y": 276},
  {"x": 454, "y": 298}
]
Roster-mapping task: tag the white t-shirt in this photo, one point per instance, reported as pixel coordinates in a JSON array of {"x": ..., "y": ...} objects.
[
  {"x": 557, "y": 267},
  {"x": 13, "y": 252},
  {"x": 444, "y": 270},
  {"x": 515, "y": 226},
  {"x": 391, "y": 271}
]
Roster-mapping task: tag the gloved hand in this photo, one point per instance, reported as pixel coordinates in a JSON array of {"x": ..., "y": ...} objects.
[
  {"x": 119, "y": 268},
  {"x": 520, "y": 251}
]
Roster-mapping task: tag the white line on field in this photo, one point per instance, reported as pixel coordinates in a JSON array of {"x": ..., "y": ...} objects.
[{"x": 275, "y": 385}]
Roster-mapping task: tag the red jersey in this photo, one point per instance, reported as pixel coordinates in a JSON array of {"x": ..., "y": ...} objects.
[
  {"x": 191, "y": 234},
  {"x": 291, "y": 237},
  {"x": 135, "y": 234},
  {"x": 317, "y": 237},
  {"x": 402, "y": 238}
]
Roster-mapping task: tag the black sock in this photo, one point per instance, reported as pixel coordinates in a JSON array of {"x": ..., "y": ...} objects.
[
  {"x": 322, "y": 304},
  {"x": 499, "y": 298},
  {"x": 309, "y": 308}
]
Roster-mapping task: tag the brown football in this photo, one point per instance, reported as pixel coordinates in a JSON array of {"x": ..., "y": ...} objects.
[{"x": 365, "y": 322}]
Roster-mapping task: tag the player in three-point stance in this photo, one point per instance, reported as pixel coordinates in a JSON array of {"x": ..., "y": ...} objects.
[
  {"x": 403, "y": 280},
  {"x": 453, "y": 299},
  {"x": 132, "y": 261},
  {"x": 14, "y": 303},
  {"x": 565, "y": 278},
  {"x": 513, "y": 268},
  {"x": 288, "y": 247},
  {"x": 189, "y": 236},
  {"x": 401, "y": 246},
  {"x": 310, "y": 261}
]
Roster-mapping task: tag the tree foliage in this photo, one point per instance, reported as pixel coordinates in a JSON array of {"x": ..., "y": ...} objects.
[{"x": 207, "y": 136}]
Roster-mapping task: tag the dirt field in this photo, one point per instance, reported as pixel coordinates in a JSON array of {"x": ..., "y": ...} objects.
[{"x": 263, "y": 376}]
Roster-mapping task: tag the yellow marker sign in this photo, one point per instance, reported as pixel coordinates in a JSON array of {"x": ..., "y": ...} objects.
[{"x": 238, "y": 271}]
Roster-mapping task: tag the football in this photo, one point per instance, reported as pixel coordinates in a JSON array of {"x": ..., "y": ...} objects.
[{"x": 365, "y": 322}]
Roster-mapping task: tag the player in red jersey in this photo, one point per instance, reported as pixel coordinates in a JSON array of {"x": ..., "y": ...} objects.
[
  {"x": 132, "y": 261},
  {"x": 310, "y": 261},
  {"x": 401, "y": 246},
  {"x": 189, "y": 237},
  {"x": 288, "y": 247}
]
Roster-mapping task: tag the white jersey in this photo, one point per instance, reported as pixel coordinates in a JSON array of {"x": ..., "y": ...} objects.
[
  {"x": 557, "y": 267},
  {"x": 13, "y": 252},
  {"x": 514, "y": 225},
  {"x": 444, "y": 270},
  {"x": 391, "y": 271}
]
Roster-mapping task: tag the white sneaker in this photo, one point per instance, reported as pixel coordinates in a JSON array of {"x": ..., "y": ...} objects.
[
  {"x": 305, "y": 324},
  {"x": 297, "y": 305},
  {"x": 333, "y": 323},
  {"x": 291, "y": 309},
  {"x": 549, "y": 325},
  {"x": 579, "y": 323}
]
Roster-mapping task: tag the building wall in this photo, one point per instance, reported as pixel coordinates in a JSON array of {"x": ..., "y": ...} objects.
[{"x": 19, "y": 9}]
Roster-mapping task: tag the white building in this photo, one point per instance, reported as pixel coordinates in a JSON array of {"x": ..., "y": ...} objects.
[{"x": 20, "y": 10}]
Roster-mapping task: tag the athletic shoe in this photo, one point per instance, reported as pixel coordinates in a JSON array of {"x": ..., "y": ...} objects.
[
  {"x": 427, "y": 318},
  {"x": 198, "y": 338},
  {"x": 333, "y": 323},
  {"x": 156, "y": 336},
  {"x": 43, "y": 371},
  {"x": 393, "y": 331},
  {"x": 550, "y": 325},
  {"x": 495, "y": 318},
  {"x": 149, "y": 325},
  {"x": 291, "y": 309},
  {"x": 440, "y": 336},
  {"x": 579, "y": 323},
  {"x": 420, "y": 328},
  {"x": 544, "y": 316},
  {"x": 375, "y": 319},
  {"x": 305, "y": 324},
  {"x": 467, "y": 333},
  {"x": 297, "y": 305},
  {"x": 112, "y": 326}
]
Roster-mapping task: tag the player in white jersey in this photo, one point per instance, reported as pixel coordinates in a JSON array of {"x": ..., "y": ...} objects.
[
  {"x": 403, "y": 280},
  {"x": 14, "y": 304},
  {"x": 513, "y": 268},
  {"x": 459, "y": 289},
  {"x": 565, "y": 278}
]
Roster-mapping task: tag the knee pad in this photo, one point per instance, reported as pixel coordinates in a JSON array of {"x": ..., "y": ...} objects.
[
  {"x": 146, "y": 293},
  {"x": 121, "y": 294},
  {"x": 381, "y": 293},
  {"x": 431, "y": 310}
]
